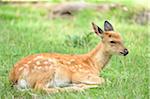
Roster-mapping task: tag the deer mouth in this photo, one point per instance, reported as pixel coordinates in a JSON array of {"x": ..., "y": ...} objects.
[{"x": 122, "y": 53}]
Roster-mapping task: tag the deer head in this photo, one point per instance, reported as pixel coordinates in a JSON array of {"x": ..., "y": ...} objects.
[{"x": 111, "y": 40}]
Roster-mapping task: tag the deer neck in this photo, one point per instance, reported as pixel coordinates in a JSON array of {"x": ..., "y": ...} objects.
[{"x": 100, "y": 56}]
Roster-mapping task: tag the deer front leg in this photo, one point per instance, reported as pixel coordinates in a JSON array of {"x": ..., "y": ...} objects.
[
  {"x": 93, "y": 80},
  {"x": 41, "y": 85},
  {"x": 84, "y": 86},
  {"x": 71, "y": 88},
  {"x": 88, "y": 79}
]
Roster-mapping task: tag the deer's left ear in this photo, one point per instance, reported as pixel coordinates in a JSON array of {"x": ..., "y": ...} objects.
[
  {"x": 97, "y": 29},
  {"x": 108, "y": 26}
]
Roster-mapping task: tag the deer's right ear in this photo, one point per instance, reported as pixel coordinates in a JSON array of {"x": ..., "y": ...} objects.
[{"x": 97, "y": 29}]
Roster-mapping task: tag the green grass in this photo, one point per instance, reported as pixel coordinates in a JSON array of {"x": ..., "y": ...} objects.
[{"x": 26, "y": 30}]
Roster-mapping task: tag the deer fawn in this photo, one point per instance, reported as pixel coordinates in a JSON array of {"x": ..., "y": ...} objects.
[{"x": 57, "y": 72}]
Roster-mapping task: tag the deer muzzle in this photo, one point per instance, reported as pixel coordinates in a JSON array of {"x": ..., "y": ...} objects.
[{"x": 124, "y": 52}]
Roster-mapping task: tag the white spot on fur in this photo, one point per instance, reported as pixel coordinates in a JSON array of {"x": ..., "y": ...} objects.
[
  {"x": 73, "y": 68},
  {"x": 38, "y": 62},
  {"x": 51, "y": 60},
  {"x": 79, "y": 66},
  {"x": 46, "y": 62},
  {"x": 38, "y": 57},
  {"x": 72, "y": 60},
  {"x": 29, "y": 62},
  {"x": 39, "y": 67},
  {"x": 68, "y": 62},
  {"x": 76, "y": 65},
  {"x": 35, "y": 67},
  {"x": 26, "y": 65},
  {"x": 80, "y": 70},
  {"x": 21, "y": 68}
]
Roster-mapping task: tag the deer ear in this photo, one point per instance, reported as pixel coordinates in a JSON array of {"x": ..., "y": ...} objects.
[
  {"x": 108, "y": 26},
  {"x": 97, "y": 29}
]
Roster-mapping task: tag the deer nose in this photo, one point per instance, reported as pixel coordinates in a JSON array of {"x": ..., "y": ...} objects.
[{"x": 125, "y": 52}]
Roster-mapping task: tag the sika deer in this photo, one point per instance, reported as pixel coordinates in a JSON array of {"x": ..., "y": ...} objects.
[{"x": 50, "y": 72}]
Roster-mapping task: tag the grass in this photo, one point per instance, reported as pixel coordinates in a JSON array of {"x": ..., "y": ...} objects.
[{"x": 26, "y": 30}]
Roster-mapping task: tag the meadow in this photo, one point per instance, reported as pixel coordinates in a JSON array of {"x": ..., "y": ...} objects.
[{"x": 28, "y": 30}]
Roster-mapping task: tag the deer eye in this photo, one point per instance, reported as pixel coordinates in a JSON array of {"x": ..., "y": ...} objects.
[{"x": 112, "y": 42}]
